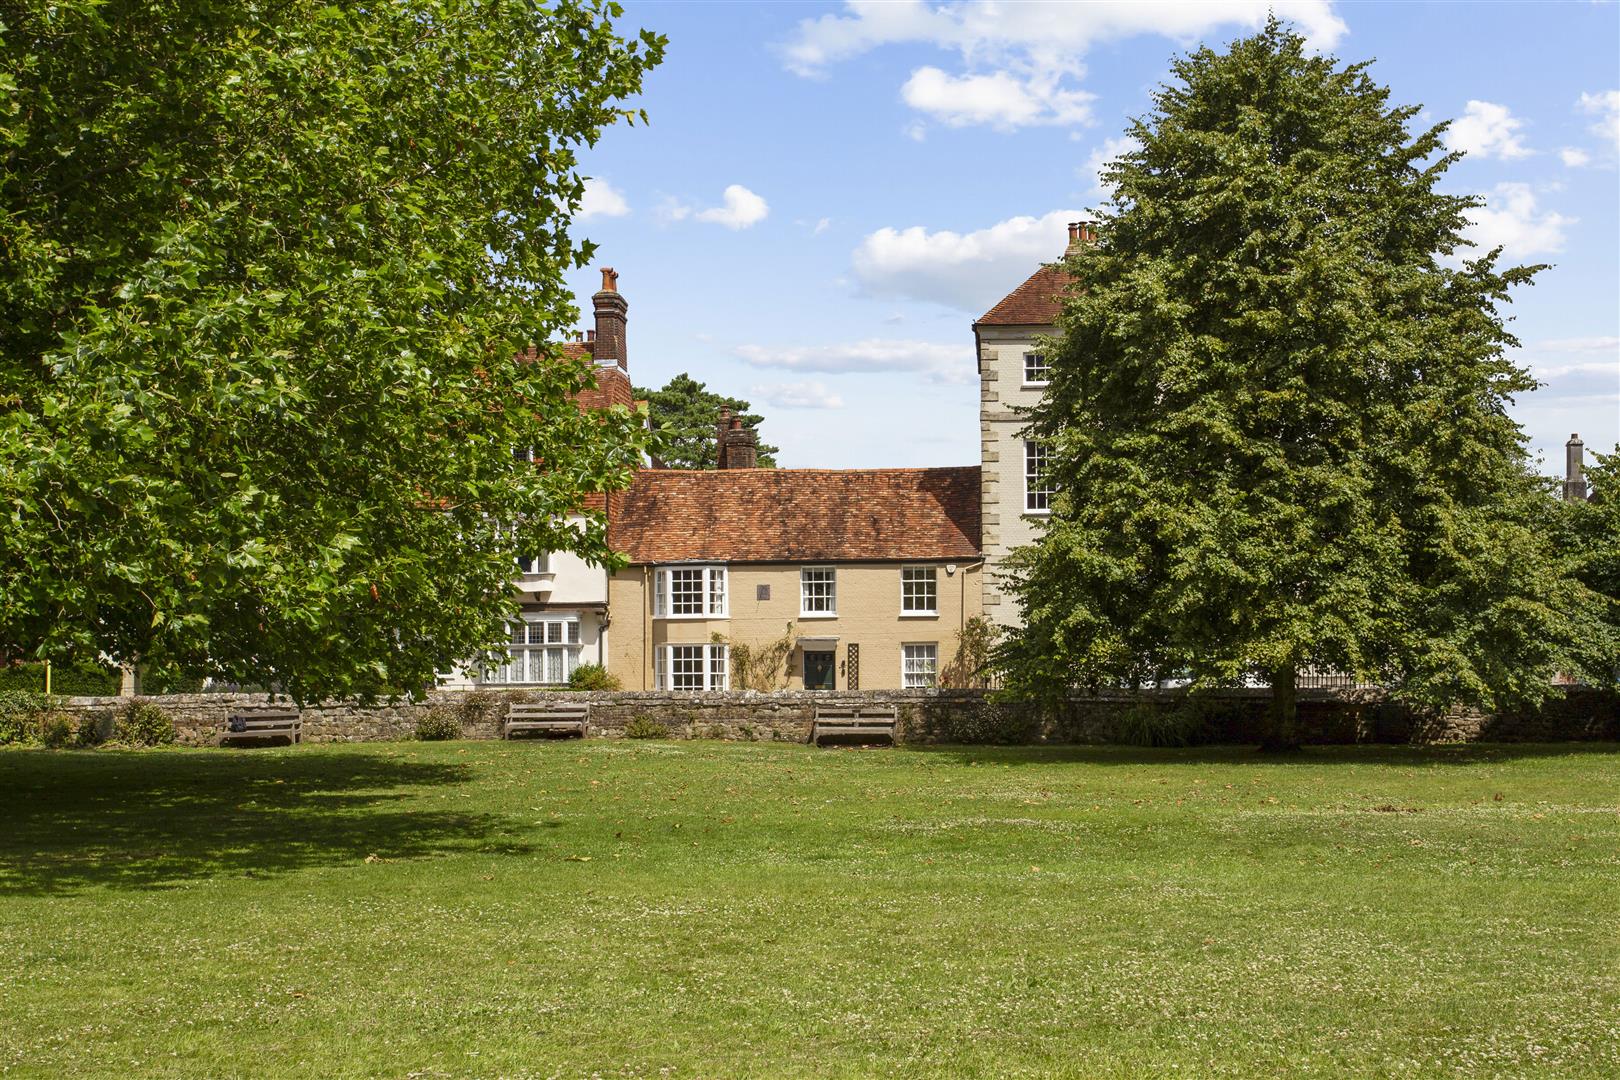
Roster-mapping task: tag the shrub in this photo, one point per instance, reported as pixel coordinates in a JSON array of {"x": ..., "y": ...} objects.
[
  {"x": 142, "y": 723},
  {"x": 486, "y": 709},
  {"x": 1147, "y": 723},
  {"x": 56, "y": 730},
  {"x": 438, "y": 724},
  {"x": 20, "y": 714},
  {"x": 643, "y": 726},
  {"x": 69, "y": 680},
  {"x": 594, "y": 677}
]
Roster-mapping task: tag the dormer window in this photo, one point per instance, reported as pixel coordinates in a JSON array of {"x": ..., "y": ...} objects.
[
  {"x": 1037, "y": 372},
  {"x": 534, "y": 565}
]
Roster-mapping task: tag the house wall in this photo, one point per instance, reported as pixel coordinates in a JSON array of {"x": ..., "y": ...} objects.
[
  {"x": 1006, "y": 525},
  {"x": 868, "y": 602},
  {"x": 572, "y": 586}
]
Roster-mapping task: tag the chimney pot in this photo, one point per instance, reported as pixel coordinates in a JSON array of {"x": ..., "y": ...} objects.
[{"x": 1575, "y": 469}]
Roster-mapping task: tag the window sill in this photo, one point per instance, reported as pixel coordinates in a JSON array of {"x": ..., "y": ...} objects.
[
  {"x": 1033, "y": 385},
  {"x": 1037, "y": 513},
  {"x": 688, "y": 618},
  {"x": 919, "y": 614},
  {"x": 818, "y": 615}
]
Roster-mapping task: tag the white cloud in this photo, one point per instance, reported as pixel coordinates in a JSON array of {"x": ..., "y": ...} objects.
[
  {"x": 601, "y": 199},
  {"x": 1512, "y": 218},
  {"x": 740, "y": 209},
  {"x": 1574, "y": 157},
  {"x": 969, "y": 271},
  {"x": 1001, "y": 100},
  {"x": 822, "y": 226},
  {"x": 1015, "y": 57},
  {"x": 1486, "y": 129},
  {"x": 934, "y": 361},
  {"x": 1561, "y": 357},
  {"x": 1605, "y": 105},
  {"x": 1100, "y": 158},
  {"x": 813, "y": 394}
]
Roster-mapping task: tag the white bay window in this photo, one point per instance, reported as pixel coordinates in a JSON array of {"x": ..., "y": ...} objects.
[{"x": 540, "y": 649}]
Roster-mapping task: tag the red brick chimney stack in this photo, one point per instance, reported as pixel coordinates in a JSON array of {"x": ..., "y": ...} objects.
[
  {"x": 742, "y": 452},
  {"x": 611, "y": 309},
  {"x": 720, "y": 431}
]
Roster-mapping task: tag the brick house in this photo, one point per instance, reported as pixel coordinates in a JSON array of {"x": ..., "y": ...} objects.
[
  {"x": 872, "y": 573},
  {"x": 1013, "y": 374}
]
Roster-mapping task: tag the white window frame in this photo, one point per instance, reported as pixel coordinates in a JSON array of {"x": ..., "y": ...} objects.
[
  {"x": 811, "y": 576},
  {"x": 711, "y": 663},
  {"x": 919, "y": 671},
  {"x": 552, "y": 645},
  {"x": 711, "y": 590},
  {"x": 1037, "y": 500},
  {"x": 1036, "y": 361},
  {"x": 917, "y": 574}
]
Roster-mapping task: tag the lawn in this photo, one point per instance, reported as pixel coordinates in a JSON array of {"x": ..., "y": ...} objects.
[{"x": 701, "y": 909}]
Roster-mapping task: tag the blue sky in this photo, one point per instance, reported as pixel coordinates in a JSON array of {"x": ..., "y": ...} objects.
[{"x": 828, "y": 194}]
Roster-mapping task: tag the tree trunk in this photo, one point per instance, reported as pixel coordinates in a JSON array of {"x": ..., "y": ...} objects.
[{"x": 1282, "y": 734}]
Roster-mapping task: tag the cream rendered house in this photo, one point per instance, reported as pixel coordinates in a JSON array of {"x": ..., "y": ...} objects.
[
  {"x": 870, "y": 574},
  {"x": 1012, "y": 376}
]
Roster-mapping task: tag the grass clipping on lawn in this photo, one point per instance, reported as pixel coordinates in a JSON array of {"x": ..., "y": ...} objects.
[{"x": 722, "y": 909}]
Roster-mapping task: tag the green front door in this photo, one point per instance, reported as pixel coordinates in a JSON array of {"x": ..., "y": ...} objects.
[{"x": 818, "y": 670}]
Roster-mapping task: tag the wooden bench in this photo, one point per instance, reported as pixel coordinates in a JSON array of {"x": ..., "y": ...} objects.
[
  {"x": 860, "y": 723},
  {"x": 264, "y": 724},
  {"x": 551, "y": 718}
]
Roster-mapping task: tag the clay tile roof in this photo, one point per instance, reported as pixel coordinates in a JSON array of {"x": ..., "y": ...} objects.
[
  {"x": 798, "y": 515},
  {"x": 1037, "y": 302}
]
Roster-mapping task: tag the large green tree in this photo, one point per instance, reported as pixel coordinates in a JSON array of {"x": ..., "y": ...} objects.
[
  {"x": 1277, "y": 412},
  {"x": 265, "y": 270},
  {"x": 1588, "y": 532},
  {"x": 685, "y": 412}
]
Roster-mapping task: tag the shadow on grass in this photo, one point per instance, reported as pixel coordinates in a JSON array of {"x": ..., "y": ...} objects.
[
  {"x": 1313, "y": 756},
  {"x": 81, "y": 820}
]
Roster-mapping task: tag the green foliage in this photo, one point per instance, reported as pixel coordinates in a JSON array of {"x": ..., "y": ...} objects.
[
  {"x": 438, "y": 724},
  {"x": 593, "y": 677},
  {"x": 1278, "y": 416},
  {"x": 266, "y": 271},
  {"x": 20, "y": 713},
  {"x": 1151, "y": 723},
  {"x": 686, "y": 413},
  {"x": 1589, "y": 535},
  {"x": 970, "y": 668},
  {"x": 56, "y": 731},
  {"x": 67, "y": 679},
  {"x": 643, "y": 726},
  {"x": 143, "y": 723}
]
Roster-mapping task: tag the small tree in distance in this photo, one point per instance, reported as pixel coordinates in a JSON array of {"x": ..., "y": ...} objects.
[
  {"x": 1277, "y": 413},
  {"x": 685, "y": 413}
]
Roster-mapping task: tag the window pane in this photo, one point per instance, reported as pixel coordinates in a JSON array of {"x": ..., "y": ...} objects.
[
  {"x": 573, "y": 632},
  {"x": 717, "y": 591},
  {"x": 918, "y": 588},
  {"x": 554, "y": 665},
  {"x": 1037, "y": 488},
  {"x": 718, "y": 657},
  {"x": 817, "y": 590}
]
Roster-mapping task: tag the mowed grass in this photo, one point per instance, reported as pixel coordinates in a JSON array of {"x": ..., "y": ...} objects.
[{"x": 699, "y": 909}]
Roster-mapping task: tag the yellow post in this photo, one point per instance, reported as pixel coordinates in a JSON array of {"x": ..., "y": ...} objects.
[{"x": 47, "y": 678}]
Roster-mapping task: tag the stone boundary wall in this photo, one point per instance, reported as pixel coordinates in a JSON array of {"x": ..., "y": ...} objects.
[{"x": 926, "y": 716}]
